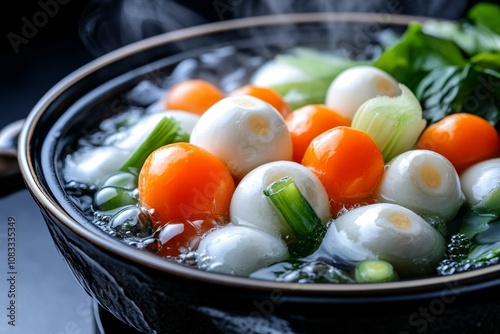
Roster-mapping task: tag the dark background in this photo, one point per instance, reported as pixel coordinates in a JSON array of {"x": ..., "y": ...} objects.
[
  {"x": 58, "y": 47},
  {"x": 48, "y": 298}
]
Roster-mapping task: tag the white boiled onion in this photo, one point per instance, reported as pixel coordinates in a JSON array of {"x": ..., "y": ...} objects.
[
  {"x": 249, "y": 205},
  {"x": 356, "y": 85},
  {"x": 239, "y": 250},
  {"x": 387, "y": 232},
  {"x": 274, "y": 73},
  {"x": 244, "y": 132},
  {"x": 423, "y": 181},
  {"x": 480, "y": 180}
]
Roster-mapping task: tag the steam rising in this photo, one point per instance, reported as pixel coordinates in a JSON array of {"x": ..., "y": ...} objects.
[{"x": 109, "y": 24}]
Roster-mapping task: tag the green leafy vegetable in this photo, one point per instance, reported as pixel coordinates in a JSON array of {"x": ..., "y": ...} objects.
[
  {"x": 474, "y": 223},
  {"x": 472, "y": 39},
  {"x": 490, "y": 205},
  {"x": 320, "y": 69},
  {"x": 416, "y": 55},
  {"x": 486, "y": 14},
  {"x": 451, "y": 66}
]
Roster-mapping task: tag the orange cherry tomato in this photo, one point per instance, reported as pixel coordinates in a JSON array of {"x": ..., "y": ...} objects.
[
  {"x": 182, "y": 181},
  {"x": 464, "y": 139},
  {"x": 306, "y": 123},
  {"x": 348, "y": 163},
  {"x": 193, "y": 95},
  {"x": 266, "y": 94}
]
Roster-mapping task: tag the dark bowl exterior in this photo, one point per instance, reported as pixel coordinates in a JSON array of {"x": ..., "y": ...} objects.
[
  {"x": 154, "y": 296},
  {"x": 156, "y": 302}
]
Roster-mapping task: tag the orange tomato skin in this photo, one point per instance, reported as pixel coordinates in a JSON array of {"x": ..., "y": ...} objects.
[
  {"x": 348, "y": 163},
  {"x": 181, "y": 236},
  {"x": 266, "y": 94},
  {"x": 176, "y": 238},
  {"x": 181, "y": 181},
  {"x": 193, "y": 95},
  {"x": 306, "y": 123},
  {"x": 464, "y": 139}
]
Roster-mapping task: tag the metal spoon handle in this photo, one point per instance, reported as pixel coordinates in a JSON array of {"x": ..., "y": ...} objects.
[
  {"x": 10, "y": 175},
  {"x": 8, "y": 138}
]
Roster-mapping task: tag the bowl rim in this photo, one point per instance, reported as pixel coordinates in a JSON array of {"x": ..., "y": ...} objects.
[{"x": 32, "y": 180}]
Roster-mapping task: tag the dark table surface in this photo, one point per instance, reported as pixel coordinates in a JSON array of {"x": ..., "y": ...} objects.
[{"x": 47, "y": 298}]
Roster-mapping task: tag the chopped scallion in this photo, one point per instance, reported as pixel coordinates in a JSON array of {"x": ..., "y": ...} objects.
[
  {"x": 374, "y": 271},
  {"x": 166, "y": 132},
  {"x": 295, "y": 211}
]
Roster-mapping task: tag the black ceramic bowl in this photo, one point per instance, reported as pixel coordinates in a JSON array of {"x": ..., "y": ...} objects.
[{"x": 157, "y": 296}]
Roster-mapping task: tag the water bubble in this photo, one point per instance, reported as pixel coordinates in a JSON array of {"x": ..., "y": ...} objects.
[{"x": 130, "y": 221}]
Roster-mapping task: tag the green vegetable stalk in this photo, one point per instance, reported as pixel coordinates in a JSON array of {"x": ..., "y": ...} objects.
[
  {"x": 374, "y": 271},
  {"x": 166, "y": 132},
  {"x": 395, "y": 123},
  {"x": 295, "y": 211},
  {"x": 319, "y": 71}
]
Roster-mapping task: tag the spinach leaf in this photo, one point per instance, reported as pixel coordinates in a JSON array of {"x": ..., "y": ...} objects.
[
  {"x": 486, "y": 14},
  {"x": 449, "y": 89},
  {"x": 417, "y": 54},
  {"x": 438, "y": 92},
  {"x": 472, "y": 39},
  {"x": 487, "y": 61}
]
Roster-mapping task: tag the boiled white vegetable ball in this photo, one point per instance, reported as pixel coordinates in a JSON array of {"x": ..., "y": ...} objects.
[
  {"x": 356, "y": 85},
  {"x": 244, "y": 132},
  {"x": 239, "y": 250},
  {"x": 249, "y": 205},
  {"x": 423, "y": 181},
  {"x": 480, "y": 180},
  {"x": 386, "y": 232}
]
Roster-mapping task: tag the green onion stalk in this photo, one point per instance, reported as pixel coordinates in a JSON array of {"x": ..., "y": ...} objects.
[
  {"x": 167, "y": 131},
  {"x": 295, "y": 211},
  {"x": 375, "y": 271}
]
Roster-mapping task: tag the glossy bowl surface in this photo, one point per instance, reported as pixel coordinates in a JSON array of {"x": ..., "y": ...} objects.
[{"x": 154, "y": 295}]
